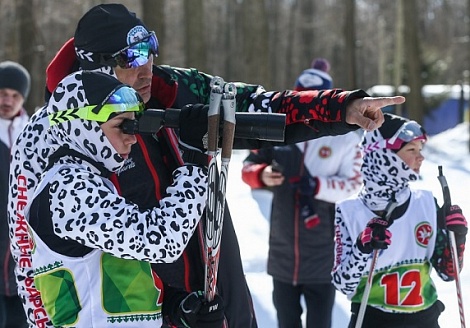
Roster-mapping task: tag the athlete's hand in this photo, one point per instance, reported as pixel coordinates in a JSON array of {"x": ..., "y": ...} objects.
[
  {"x": 271, "y": 177},
  {"x": 455, "y": 220},
  {"x": 374, "y": 236}
]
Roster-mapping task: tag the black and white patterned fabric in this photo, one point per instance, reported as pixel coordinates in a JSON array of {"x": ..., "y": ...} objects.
[
  {"x": 384, "y": 175},
  {"x": 84, "y": 136}
]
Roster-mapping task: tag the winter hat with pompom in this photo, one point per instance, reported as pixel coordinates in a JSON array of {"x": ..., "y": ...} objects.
[
  {"x": 321, "y": 64},
  {"x": 316, "y": 77}
]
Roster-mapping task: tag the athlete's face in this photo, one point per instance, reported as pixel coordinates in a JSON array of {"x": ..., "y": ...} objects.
[
  {"x": 411, "y": 154},
  {"x": 119, "y": 140}
]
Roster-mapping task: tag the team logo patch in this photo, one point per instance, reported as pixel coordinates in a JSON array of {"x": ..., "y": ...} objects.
[
  {"x": 423, "y": 232},
  {"x": 324, "y": 152},
  {"x": 136, "y": 33}
]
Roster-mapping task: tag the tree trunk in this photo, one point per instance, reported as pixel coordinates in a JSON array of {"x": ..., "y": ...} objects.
[
  {"x": 30, "y": 55},
  {"x": 274, "y": 42},
  {"x": 255, "y": 34},
  {"x": 414, "y": 103},
  {"x": 291, "y": 53},
  {"x": 153, "y": 15},
  {"x": 397, "y": 64},
  {"x": 350, "y": 40},
  {"x": 195, "y": 34},
  {"x": 382, "y": 52},
  {"x": 307, "y": 34}
]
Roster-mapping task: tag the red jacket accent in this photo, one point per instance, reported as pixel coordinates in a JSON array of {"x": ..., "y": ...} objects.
[
  {"x": 55, "y": 71},
  {"x": 251, "y": 175}
]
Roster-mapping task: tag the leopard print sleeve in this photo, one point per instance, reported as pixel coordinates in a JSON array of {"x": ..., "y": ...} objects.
[
  {"x": 84, "y": 208},
  {"x": 350, "y": 262}
]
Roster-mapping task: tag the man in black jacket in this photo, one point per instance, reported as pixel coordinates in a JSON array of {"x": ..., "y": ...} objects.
[
  {"x": 111, "y": 39},
  {"x": 15, "y": 83}
]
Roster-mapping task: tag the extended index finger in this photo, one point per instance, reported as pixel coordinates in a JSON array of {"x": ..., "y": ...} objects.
[{"x": 384, "y": 101}]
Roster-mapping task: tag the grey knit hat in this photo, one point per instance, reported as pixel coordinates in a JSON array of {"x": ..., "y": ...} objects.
[{"x": 14, "y": 76}]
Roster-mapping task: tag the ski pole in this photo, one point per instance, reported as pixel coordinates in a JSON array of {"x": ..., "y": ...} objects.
[
  {"x": 213, "y": 116},
  {"x": 453, "y": 245},
  {"x": 365, "y": 297},
  {"x": 218, "y": 183}
]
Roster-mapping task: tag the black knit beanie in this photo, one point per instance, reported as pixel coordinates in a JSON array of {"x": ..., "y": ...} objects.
[
  {"x": 14, "y": 76},
  {"x": 105, "y": 29}
]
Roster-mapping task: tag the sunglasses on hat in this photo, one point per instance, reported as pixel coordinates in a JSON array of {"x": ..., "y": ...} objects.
[
  {"x": 120, "y": 100},
  {"x": 135, "y": 54},
  {"x": 408, "y": 132}
]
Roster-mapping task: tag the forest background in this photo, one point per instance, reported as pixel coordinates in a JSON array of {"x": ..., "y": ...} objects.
[{"x": 269, "y": 42}]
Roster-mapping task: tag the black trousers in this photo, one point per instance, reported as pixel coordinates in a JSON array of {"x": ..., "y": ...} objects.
[
  {"x": 374, "y": 318},
  {"x": 12, "y": 312},
  {"x": 319, "y": 299}
]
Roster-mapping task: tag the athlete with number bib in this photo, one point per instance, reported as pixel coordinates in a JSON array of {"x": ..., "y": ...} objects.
[{"x": 412, "y": 242}]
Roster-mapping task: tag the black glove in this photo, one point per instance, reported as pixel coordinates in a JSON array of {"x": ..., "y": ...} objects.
[
  {"x": 193, "y": 134},
  {"x": 306, "y": 185},
  {"x": 276, "y": 167},
  {"x": 375, "y": 236},
  {"x": 455, "y": 220},
  {"x": 306, "y": 188},
  {"x": 193, "y": 126},
  {"x": 195, "y": 311}
]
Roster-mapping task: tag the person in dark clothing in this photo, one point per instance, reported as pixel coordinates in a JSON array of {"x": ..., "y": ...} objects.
[
  {"x": 15, "y": 83},
  {"x": 111, "y": 39},
  {"x": 306, "y": 179}
]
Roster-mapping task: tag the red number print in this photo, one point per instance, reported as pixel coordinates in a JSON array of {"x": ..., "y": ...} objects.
[{"x": 409, "y": 282}]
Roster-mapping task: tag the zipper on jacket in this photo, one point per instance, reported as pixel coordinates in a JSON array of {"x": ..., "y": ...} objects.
[{"x": 297, "y": 223}]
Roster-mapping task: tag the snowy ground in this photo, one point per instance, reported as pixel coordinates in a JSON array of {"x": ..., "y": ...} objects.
[{"x": 250, "y": 212}]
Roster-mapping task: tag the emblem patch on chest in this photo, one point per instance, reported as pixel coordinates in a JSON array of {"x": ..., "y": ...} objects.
[
  {"x": 324, "y": 152},
  {"x": 423, "y": 232}
]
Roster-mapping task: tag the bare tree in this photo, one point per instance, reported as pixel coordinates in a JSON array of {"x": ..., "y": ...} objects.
[
  {"x": 350, "y": 40},
  {"x": 153, "y": 15},
  {"x": 195, "y": 34},
  {"x": 415, "y": 103},
  {"x": 306, "y": 30},
  {"x": 274, "y": 25},
  {"x": 235, "y": 64},
  {"x": 398, "y": 53},
  {"x": 381, "y": 53},
  {"x": 291, "y": 60},
  {"x": 30, "y": 52},
  {"x": 255, "y": 31}
]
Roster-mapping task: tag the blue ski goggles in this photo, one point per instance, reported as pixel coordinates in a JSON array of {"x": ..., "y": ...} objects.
[
  {"x": 408, "y": 132},
  {"x": 135, "y": 54},
  {"x": 121, "y": 100}
]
